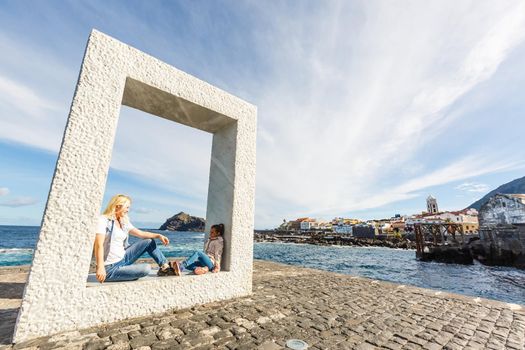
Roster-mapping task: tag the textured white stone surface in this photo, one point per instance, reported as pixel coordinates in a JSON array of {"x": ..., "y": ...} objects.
[{"x": 56, "y": 298}]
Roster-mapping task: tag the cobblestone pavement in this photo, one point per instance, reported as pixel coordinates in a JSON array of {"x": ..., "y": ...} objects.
[{"x": 327, "y": 310}]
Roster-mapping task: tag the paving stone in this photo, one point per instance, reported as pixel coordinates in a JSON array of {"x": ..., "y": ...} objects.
[
  {"x": 494, "y": 346},
  {"x": 109, "y": 332},
  {"x": 144, "y": 340},
  {"x": 119, "y": 338},
  {"x": 512, "y": 345},
  {"x": 199, "y": 318},
  {"x": 205, "y": 347},
  {"x": 249, "y": 345},
  {"x": 65, "y": 336},
  {"x": 164, "y": 345},
  {"x": 236, "y": 330},
  {"x": 221, "y": 342},
  {"x": 320, "y": 326},
  {"x": 392, "y": 345},
  {"x": 269, "y": 345},
  {"x": 96, "y": 344},
  {"x": 147, "y": 323},
  {"x": 366, "y": 346},
  {"x": 432, "y": 346},
  {"x": 196, "y": 340},
  {"x": 119, "y": 346},
  {"x": 149, "y": 329},
  {"x": 453, "y": 346},
  {"x": 418, "y": 340},
  {"x": 53, "y": 345},
  {"x": 166, "y": 333},
  {"x": 474, "y": 344},
  {"x": 31, "y": 343},
  {"x": 245, "y": 323},
  {"x": 215, "y": 321},
  {"x": 327, "y": 310},
  {"x": 210, "y": 331},
  {"x": 443, "y": 337},
  {"x": 70, "y": 346},
  {"x": 412, "y": 346},
  {"x": 222, "y": 334}
]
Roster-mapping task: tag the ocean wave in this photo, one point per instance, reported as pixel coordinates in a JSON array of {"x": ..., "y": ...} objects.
[{"x": 15, "y": 250}]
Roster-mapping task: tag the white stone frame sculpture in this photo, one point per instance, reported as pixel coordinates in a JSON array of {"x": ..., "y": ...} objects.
[{"x": 56, "y": 297}]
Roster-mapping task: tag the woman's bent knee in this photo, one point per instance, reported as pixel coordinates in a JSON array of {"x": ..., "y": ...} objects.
[{"x": 151, "y": 243}]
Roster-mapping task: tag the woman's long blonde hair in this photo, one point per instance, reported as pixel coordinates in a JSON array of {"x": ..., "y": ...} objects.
[{"x": 118, "y": 199}]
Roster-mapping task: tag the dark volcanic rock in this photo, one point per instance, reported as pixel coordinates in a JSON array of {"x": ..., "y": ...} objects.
[{"x": 184, "y": 222}]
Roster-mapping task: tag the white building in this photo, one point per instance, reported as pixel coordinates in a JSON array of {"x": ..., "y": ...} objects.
[
  {"x": 503, "y": 209},
  {"x": 309, "y": 224},
  {"x": 342, "y": 229}
]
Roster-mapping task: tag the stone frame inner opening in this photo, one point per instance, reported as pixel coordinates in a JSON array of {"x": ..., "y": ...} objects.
[{"x": 152, "y": 101}]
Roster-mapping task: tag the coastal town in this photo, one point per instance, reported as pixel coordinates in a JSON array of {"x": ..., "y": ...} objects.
[
  {"x": 396, "y": 226},
  {"x": 494, "y": 236}
]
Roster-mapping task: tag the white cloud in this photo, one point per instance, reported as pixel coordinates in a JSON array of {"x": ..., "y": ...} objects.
[
  {"x": 19, "y": 202},
  {"x": 170, "y": 155},
  {"x": 175, "y": 156},
  {"x": 355, "y": 101},
  {"x": 465, "y": 168},
  {"x": 24, "y": 98},
  {"x": 35, "y": 93},
  {"x": 352, "y": 93},
  {"x": 141, "y": 210},
  {"x": 4, "y": 191},
  {"x": 473, "y": 187}
]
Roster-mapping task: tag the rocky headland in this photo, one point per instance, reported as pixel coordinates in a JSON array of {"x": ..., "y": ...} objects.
[{"x": 184, "y": 222}]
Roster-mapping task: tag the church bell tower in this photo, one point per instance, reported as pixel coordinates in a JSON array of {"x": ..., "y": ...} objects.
[{"x": 432, "y": 205}]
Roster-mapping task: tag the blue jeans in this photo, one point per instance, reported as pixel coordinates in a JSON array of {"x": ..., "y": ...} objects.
[
  {"x": 198, "y": 259},
  {"x": 124, "y": 270}
]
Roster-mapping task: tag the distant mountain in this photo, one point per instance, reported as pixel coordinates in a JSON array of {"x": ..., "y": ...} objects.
[
  {"x": 515, "y": 186},
  {"x": 184, "y": 222}
]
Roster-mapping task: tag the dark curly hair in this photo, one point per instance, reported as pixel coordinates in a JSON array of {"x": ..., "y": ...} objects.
[{"x": 219, "y": 228}]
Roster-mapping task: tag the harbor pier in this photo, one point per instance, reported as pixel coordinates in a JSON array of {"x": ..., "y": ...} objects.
[{"x": 442, "y": 242}]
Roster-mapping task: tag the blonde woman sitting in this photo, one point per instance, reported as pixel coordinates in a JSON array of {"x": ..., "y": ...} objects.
[{"x": 114, "y": 256}]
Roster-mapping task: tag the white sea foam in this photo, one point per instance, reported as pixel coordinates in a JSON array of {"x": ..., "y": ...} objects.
[{"x": 15, "y": 250}]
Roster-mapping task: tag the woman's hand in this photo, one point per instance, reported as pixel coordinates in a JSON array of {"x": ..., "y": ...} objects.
[
  {"x": 101, "y": 273},
  {"x": 165, "y": 240}
]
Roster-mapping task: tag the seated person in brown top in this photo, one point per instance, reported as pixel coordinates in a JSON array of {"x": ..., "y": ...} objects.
[{"x": 208, "y": 260}]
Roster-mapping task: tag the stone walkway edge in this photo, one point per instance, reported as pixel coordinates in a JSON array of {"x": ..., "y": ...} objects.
[{"x": 326, "y": 310}]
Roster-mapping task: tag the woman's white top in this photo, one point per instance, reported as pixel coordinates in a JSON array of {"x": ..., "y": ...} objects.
[{"x": 116, "y": 247}]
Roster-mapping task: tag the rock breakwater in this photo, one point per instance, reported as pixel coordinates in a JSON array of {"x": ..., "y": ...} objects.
[{"x": 324, "y": 238}]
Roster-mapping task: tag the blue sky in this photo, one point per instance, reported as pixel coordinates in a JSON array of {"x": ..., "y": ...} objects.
[{"x": 364, "y": 107}]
